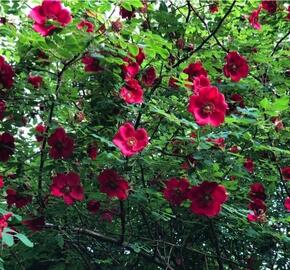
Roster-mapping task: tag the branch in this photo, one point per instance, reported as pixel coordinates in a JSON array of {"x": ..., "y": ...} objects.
[{"x": 279, "y": 42}]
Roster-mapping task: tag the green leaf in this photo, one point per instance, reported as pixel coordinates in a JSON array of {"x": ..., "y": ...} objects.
[
  {"x": 24, "y": 240},
  {"x": 7, "y": 238}
]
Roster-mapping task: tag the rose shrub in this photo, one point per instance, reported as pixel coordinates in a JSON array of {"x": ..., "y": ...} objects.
[{"x": 144, "y": 135}]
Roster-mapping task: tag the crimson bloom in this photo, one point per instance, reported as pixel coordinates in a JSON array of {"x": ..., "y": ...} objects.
[
  {"x": 6, "y": 74},
  {"x": 254, "y": 19},
  {"x": 117, "y": 25},
  {"x": 130, "y": 140},
  {"x": 132, "y": 92},
  {"x": 149, "y": 76},
  {"x": 207, "y": 198},
  {"x": 40, "y": 130},
  {"x": 36, "y": 81},
  {"x": 4, "y": 222},
  {"x": 113, "y": 184},
  {"x": 278, "y": 123},
  {"x": 257, "y": 191},
  {"x": 140, "y": 56},
  {"x": 287, "y": 204},
  {"x": 107, "y": 215},
  {"x": 258, "y": 209},
  {"x": 67, "y": 186},
  {"x": 238, "y": 100},
  {"x": 62, "y": 145},
  {"x": 249, "y": 165},
  {"x": 176, "y": 190},
  {"x": 270, "y": 6},
  {"x": 208, "y": 107},
  {"x": 130, "y": 69},
  {"x": 286, "y": 173},
  {"x": 127, "y": 14},
  {"x": 1, "y": 181},
  {"x": 20, "y": 200},
  {"x": 2, "y": 108},
  {"x": 93, "y": 206},
  {"x": 35, "y": 224},
  {"x": 236, "y": 66},
  {"x": 7, "y": 146},
  {"x": 49, "y": 10},
  {"x": 92, "y": 64},
  {"x": 213, "y": 8},
  {"x": 200, "y": 81},
  {"x": 218, "y": 142},
  {"x": 86, "y": 24},
  {"x": 194, "y": 70}
]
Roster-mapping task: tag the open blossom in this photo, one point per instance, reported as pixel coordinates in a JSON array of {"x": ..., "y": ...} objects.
[
  {"x": 194, "y": 70},
  {"x": 130, "y": 140},
  {"x": 93, "y": 206},
  {"x": 286, "y": 173},
  {"x": 40, "y": 130},
  {"x": 287, "y": 204},
  {"x": 132, "y": 92},
  {"x": 35, "y": 81},
  {"x": 4, "y": 222},
  {"x": 7, "y": 146},
  {"x": 258, "y": 209},
  {"x": 67, "y": 186},
  {"x": 176, "y": 190},
  {"x": 207, "y": 198},
  {"x": 91, "y": 64},
  {"x": 49, "y": 10},
  {"x": 236, "y": 66},
  {"x": 254, "y": 19},
  {"x": 249, "y": 165},
  {"x": 130, "y": 69},
  {"x": 2, "y": 108},
  {"x": 87, "y": 25},
  {"x": 1, "y": 181},
  {"x": 34, "y": 224},
  {"x": 114, "y": 185},
  {"x": 208, "y": 107},
  {"x": 62, "y": 145},
  {"x": 257, "y": 191},
  {"x": 149, "y": 76},
  {"x": 270, "y": 6},
  {"x": 17, "y": 199},
  {"x": 200, "y": 81},
  {"x": 6, "y": 74}
]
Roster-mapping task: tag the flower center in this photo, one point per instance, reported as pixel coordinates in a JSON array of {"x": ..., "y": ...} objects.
[
  {"x": 59, "y": 146},
  {"x": 208, "y": 108},
  {"x": 131, "y": 141},
  {"x": 66, "y": 190}
]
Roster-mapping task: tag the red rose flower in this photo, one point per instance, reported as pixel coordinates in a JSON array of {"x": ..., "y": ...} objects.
[
  {"x": 92, "y": 151},
  {"x": 40, "y": 130},
  {"x": 200, "y": 81},
  {"x": 189, "y": 163},
  {"x": 249, "y": 165},
  {"x": 236, "y": 66},
  {"x": 93, "y": 206},
  {"x": 91, "y": 64},
  {"x": 113, "y": 184},
  {"x": 254, "y": 19},
  {"x": 86, "y": 24},
  {"x": 207, "y": 198},
  {"x": 194, "y": 70},
  {"x": 257, "y": 191},
  {"x": 127, "y": 14},
  {"x": 2, "y": 108},
  {"x": 176, "y": 190},
  {"x": 149, "y": 76},
  {"x": 132, "y": 92},
  {"x": 218, "y": 142},
  {"x": 7, "y": 146},
  {"x": 1, "y": 181},
  {"x": 287, "y": 204},
  {"x": 36, "y": 81},
  {"x": 140, "y": 56},
  {"x": 258, "y": 209},
  {"x": 20, "y": 200},
  {"x": 6, "y": 74},
  {"x": 131, "y": 69},
  {"x": 34, "y": 224},
  {"x": 62, "y": 145},
  {"x": 209, "y": 107},
  {"x": 67, "y": 186},
  {"x": 270, "y": 6},
  {"x": 107, "y": 215},
  {"x": 173, "y": 83},
  {"x": 235, "y": 149},
  {"x": 238, "y": 100},
  {"x": 213, "y": 8},
  {"x": 130, "y": 140},
  {"x": 49, "y": 10},
  {"x": 277, "y": 123},
  {"x": 288, "y": 15},
  {"x": 4, "y": 222},
  {"x": 286, "y": 173},
  {"x": 117, "y": 26}
]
